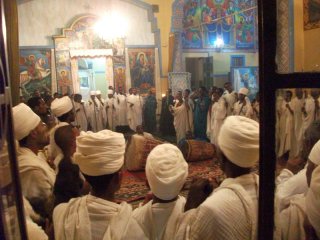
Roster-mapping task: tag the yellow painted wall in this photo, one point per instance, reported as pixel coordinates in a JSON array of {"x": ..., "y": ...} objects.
[{"x": 312, "y": 50}]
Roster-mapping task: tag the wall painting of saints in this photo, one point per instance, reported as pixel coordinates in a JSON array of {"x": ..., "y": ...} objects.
[
  {"x": 311, "y": 14},
  {"x": 35, "y": 71},
  {"x": 142, "y": 65},
  {"x": 64, "y": 81}
]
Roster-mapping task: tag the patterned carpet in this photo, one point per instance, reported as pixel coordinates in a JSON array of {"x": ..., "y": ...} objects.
[{"x": 134, "y": 187}]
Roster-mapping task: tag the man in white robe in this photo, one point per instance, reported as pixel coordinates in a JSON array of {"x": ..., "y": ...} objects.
[
  {"x": 166, "y": 172},
  {"x": 231, "y": 210},
  {"x": 102, "y": 105},
  {"x": 94, "y": 113},
  {"x": 37, "y": 177},
  {"x": 190, "y": 108},
  {"x": 230, "y": 96},
  {"x": 110, "y": 111},
  {"x": 182, "y": 114},
  {"x": 100, "y": 157},
  {"x": 311, "y": 110},
  {"x": 135, "y": 105},
  {"x": 243, "y": 106},
  {"x": 80, "y": 112},
  {"x": 297, "y": 105},
  {"x": 120, "y": 103},
  {"x": 216, "y": 116},
  {"x": 286, "y": 126}
]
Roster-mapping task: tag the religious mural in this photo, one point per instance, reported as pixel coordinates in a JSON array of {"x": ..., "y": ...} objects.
[
  {"x": 142, "y": 68},
  {"x": 35, "y": 71},
  {"x": 311, "y": 15},
  {"x": 247, "y": 77},
  {"x": 119, "y": 73},
  {"x": 232, "y": 20}
]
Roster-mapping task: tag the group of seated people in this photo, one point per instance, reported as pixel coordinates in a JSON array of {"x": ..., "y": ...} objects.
[{"x": 69, "y": 190}]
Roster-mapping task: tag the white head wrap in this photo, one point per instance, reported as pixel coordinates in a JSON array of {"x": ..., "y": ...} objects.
[
  {"x": 239, "y": 140},
  {"x": 100, "y": 153},
  {"x": 98, "y": 92},
  {"x": 92, "y": 93},
  {"x": 244, "y": 91},
  {"x": 166, "y": 171},
  {"x": 25, "y": 120},
  {"x": 314, "y": 155},
  {"x": 313, "y": 201},
  {"x": 61, "y": 106},
  {"x": 110, "y": 91}
]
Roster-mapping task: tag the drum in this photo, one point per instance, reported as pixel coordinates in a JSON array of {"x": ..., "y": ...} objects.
[
  {"x": 194, "y": 150},
  {"x": 137, "y": 151}
]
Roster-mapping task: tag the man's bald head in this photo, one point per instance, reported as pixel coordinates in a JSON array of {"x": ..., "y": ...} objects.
[{"x": 65, "y": 138}]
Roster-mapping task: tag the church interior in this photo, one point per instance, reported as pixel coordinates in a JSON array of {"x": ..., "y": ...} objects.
[{"x": 145, "y": 103}]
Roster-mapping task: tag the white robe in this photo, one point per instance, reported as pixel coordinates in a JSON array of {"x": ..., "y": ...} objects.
[
  {"x": 81, "y": 116},
  {"x": 231, "y": 99},
  {"x": 312, "y": 115},
  {"x": 230, "y": 212},
  {"x": 216, "y": 119},
  {"x": 110, "y": 114},
  {"x": 120, "y": 103},
  {"x": 90, "y": 218},
  {"x": 240, "y": 110},
  {"x": 135, "y": 104},
  {"x": 286, "y": 129},
  {"x": 182, "y": 120},
  {"x": 36, "y": 176},
  {"x": 155, "y": 221},
  {"x": 95, "y": 115},
  {"x": 256, "y": 112},
  {"x": 297, "y": 105}
]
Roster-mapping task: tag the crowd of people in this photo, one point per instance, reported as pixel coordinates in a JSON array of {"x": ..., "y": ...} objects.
[{"x": 69, "y": 175}]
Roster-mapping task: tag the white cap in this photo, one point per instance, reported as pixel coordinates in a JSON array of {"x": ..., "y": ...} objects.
[
  {"x": 110, "y": 91},
  {"x": 92, "y": 93},
  {"x": 166, "y": 171},
  {"x": 100, "y": 153},
  {"x": 25, "y": 120},
  {"x": 244, "y": 91},
  {"x": 239, "y": 140},
  {"x": 98, "y": 92},
  {"x": 61, "y": 106},
  {"x": 314, "y": 155}
]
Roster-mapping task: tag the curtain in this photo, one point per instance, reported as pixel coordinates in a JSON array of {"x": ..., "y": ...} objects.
[
  {"x": 53, "y": 73},
  {"x": 74, "y": 75},
  {"x": 128, "y": 77},
  {"x": 157, "y": 79}
]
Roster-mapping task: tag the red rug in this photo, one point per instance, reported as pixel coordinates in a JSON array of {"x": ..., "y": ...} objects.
[{"x": 133, "y": 187}]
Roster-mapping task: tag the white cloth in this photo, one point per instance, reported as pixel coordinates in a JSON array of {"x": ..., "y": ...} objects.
[
  {"x": 256, "y": 111},
  {"x": 243, "y": 91},
  {"x": 155, "y": 221},
  {"x": 230, "y": 212},
  {"x": 98, "y": 92},
  {"x": 100, "y": 153},
  {"x": 110, "y": 91},
  {"x": 313, "y": 201},
  {"x": 111, "y": 114},
  {"x": 120, "y": 104},
  {"x": 60, "y": 106},
  {"x": 135, "y": 104},
  {"x": 90, "y": 218},
  {"x": 25, "y": 120},
  {"x": 231, "y": 99},
  {"x": 297, "y": 105},
  {"x": 36, "y": 176},
  {"x": 166, "y": 171},
  {"x": 314, "y": 155},
  {"x": 239, "y": 109},
  {"x": 215, "y": 119},
  {"x": 92, "y": 93},
  {"x": 182, "y": 120},
  {"x": 81, "y": 116},
  {"x": 239, "y": 140},
  {"x": 286, "y": 129},
  {"x": 311, "y": 113},
  {"x": 95, "y": 115}
]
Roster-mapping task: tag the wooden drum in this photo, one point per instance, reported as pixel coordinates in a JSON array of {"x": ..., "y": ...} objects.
[
  {"x": 137, "y": 151},
  {"x": 197, "y": 150}
]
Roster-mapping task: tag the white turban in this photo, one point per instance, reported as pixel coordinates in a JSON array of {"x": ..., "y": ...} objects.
[
  {"x": 166, "y": 171},
  {"x": 92, "y": 93},
  {"x": 239, "y": 140},
  {"x": 61, "y": 106},
  {"x": 98, "y": 92},
  {"x": 314, "y": 155},
  {"x": 110, "y": 91},
  {"x": 100, "y": 153},
  {"x": 25, "y": 120},
  {"x": 244, "y": 91},
  {"x": 313, "y": 201}
]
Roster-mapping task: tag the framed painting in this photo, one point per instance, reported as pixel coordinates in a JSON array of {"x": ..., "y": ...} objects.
[
  {"x": 142, "y": 66},
  {"x": 119, "y": 73},
  {"x": 311, "y": 14},
  {"x": 247, "y": 77},
  {"x": 35, "y": 71}
]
